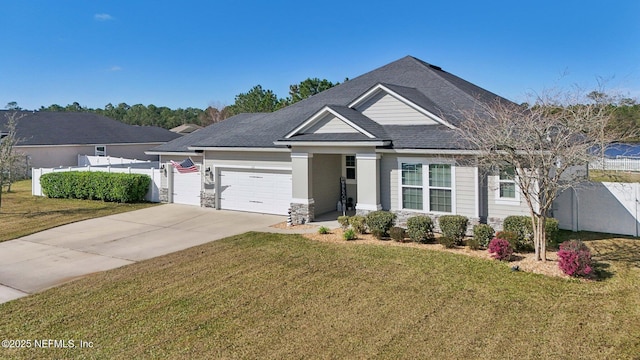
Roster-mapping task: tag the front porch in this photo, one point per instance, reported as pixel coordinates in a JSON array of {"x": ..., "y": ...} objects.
[{"x": 318, "y": 188}]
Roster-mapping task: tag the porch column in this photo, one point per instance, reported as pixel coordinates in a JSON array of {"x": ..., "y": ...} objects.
[
  {"x": 368, "y": 177},
  {"x": 302, "y": 204}
]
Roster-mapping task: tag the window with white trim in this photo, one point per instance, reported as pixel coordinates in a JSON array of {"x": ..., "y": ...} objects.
[
  {"x": 350, "y": 167},
  {"x": 101, "y": 150},
  {"x": 427, "y": 187},
  {"x": 507, "y": 183},
  {"x": 440, "y": 187}
]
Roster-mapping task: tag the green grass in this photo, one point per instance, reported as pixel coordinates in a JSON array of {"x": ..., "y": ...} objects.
[
  {"x": 23, "y": 214},
  {"x": 274, "y": 296},
  {"x": 614, "y": 176}
]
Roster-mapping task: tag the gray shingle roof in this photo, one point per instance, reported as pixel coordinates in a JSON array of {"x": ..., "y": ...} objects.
[
  {"x": 426, "y": 85},
  {"x": 64, "y": 128}
]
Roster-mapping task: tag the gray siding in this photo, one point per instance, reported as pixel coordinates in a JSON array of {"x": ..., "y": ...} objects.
[
  {"x": 387, "y": 110},
  {"x": 501, "y": 210},
  {"x": 389, "y": 182},
  {"x": 330, "y": 124},
  {"x": 466, "y": 191},
  {"x": 465, "y": 188}
]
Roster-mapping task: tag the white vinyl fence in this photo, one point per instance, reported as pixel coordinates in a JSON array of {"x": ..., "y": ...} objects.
[
  {"x": 619, "y": 164},
  {"x": 601, "y": 207},
  {"x": 87, "y": 160},
  {"x": 153, "y": 194}
]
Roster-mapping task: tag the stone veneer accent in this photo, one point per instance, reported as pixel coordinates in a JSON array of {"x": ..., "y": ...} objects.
[
  {"x": 207, "y": 199},
  {"x": 302, "y": 213},
  {"x": 164, "y": 195}
]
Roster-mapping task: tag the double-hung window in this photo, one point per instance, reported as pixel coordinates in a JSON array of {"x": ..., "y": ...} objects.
[
  {"x": 427, "y": 187},
  {"x": 506, "y": 189}
]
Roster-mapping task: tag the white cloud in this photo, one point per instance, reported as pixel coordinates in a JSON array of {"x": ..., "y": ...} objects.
[
  {"x": 115, "y": 68},
  {"x": 102, "y": 17}
]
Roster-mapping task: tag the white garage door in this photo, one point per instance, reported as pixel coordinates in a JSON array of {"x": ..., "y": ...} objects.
[
  {"x": 186, "y": 188},
  {"x": 263, "y": 191}
]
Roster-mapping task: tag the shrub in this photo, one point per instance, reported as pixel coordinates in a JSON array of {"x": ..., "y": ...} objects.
[
  {"x": 454, "y": 226},
  {"x": 343, "y": 221},
  {"x": 523, "y": 227},
  {"x": 473, "y": 243},
  {"x": 511, "y": 237},
  {"x": 323, "y": 230},
  {"x": 574, "y": 258},
  {"x": 501, "y": 249},
  {"x": 420, "y": 228},
  {"x": 483, "y": 233},
  {"x": 552, "y": 230},
  {"x": 95, "y": 186},
  {"x": 397, "y": 233},
  {"x": 379, "y": 222},
  {"x": 358, "y": 224},
  {"x": 447, "y": 241},
  {"x": 349, "y": 235}
]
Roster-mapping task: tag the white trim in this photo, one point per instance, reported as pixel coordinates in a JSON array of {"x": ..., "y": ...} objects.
[
  {"x": 476, "y": 189},
  {"x": 318, "y": 115},
  {"x": 369, "y": 207},
  {"x": 429, "y": 151},
  {"x": 333, "y": 143},
  {"x": 380, "y": 87},
  {"x": 256, "y": 149},
  {"x": 343, "y": 158},
  {"x": 425, "y": 183},
  {"x": 368, "y": 156},
  {"x": 301, "y": 155},
  {"x": 503, "y": 200},
  {"x": 175, "y": 153},
  {"x": 251, "y": 167},
  {"x": 302, "y": 201}
]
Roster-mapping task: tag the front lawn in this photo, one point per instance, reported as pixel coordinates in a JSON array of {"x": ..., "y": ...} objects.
[
  {"x": 275, "y": 296},
  {"x": 23, "y": 214},
  {"x": 614, "y": 176}
]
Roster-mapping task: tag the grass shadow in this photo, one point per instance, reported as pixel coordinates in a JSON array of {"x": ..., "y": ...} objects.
[{"x": 601, "y": 272}]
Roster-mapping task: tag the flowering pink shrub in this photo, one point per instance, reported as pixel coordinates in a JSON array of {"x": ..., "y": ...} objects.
[
  {"x": 501, "y": 249},
  {"x": 574, "y": 258}
]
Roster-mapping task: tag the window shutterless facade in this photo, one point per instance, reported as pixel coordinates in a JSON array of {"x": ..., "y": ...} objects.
[{"x": 427, "y": 186}]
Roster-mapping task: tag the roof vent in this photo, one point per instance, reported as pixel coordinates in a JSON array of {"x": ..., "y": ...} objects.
[{"x": 435, "y": 67}]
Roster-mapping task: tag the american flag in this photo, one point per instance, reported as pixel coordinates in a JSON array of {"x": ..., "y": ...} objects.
[{"x": 186, "y": 166}]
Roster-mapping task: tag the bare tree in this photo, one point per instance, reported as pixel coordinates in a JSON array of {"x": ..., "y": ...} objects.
[
  {"x": 549, "y": 144},
  {"x": 9, "y": 159}
]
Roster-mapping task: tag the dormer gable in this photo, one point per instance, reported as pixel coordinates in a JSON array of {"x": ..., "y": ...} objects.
[
  {"x": 388, "y": 104},
  {"x": 329, "y": 121}
]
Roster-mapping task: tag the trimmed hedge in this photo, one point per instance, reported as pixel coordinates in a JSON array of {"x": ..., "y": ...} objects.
[
  {"x": 483, "y": 234},
  {"x": 420, "y": 228},
  {"x": 115, "y": 187},
  {"x": 454, "y": 226},
  {"x": 380, "y": 222}
]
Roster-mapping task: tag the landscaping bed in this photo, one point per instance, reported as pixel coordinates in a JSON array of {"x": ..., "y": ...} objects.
[{"x": 524, "y": 261}]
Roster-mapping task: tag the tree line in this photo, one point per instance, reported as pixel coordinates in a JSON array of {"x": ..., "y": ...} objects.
[{"x": 257, "y": 99}]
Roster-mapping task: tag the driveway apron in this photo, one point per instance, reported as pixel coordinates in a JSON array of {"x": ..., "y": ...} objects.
[{"x": 39, "y": 261}]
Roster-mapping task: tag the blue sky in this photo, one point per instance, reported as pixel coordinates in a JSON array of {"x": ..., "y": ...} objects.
[{"x": 201, "y": 53}]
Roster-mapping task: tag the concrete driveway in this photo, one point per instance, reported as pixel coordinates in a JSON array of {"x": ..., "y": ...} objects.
[{"x": 36, "y": 262}]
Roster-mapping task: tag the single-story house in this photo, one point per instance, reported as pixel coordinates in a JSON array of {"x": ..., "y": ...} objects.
[
  {"x": 388, "y": 135},
  {"x": 53, "y": 139}
]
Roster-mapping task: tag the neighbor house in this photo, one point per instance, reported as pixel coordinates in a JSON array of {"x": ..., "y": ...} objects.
[
  {"x": 53, "y": 139},
  {"x": 389, "y": 135}
]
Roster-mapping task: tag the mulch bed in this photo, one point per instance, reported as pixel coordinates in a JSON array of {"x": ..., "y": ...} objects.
[{"x": 524, "y": 261}]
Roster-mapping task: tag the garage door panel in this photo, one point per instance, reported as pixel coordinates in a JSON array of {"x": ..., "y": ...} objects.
[
  {"x": 186, "y": 188},
  {"x": 255, "y": 191}
]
